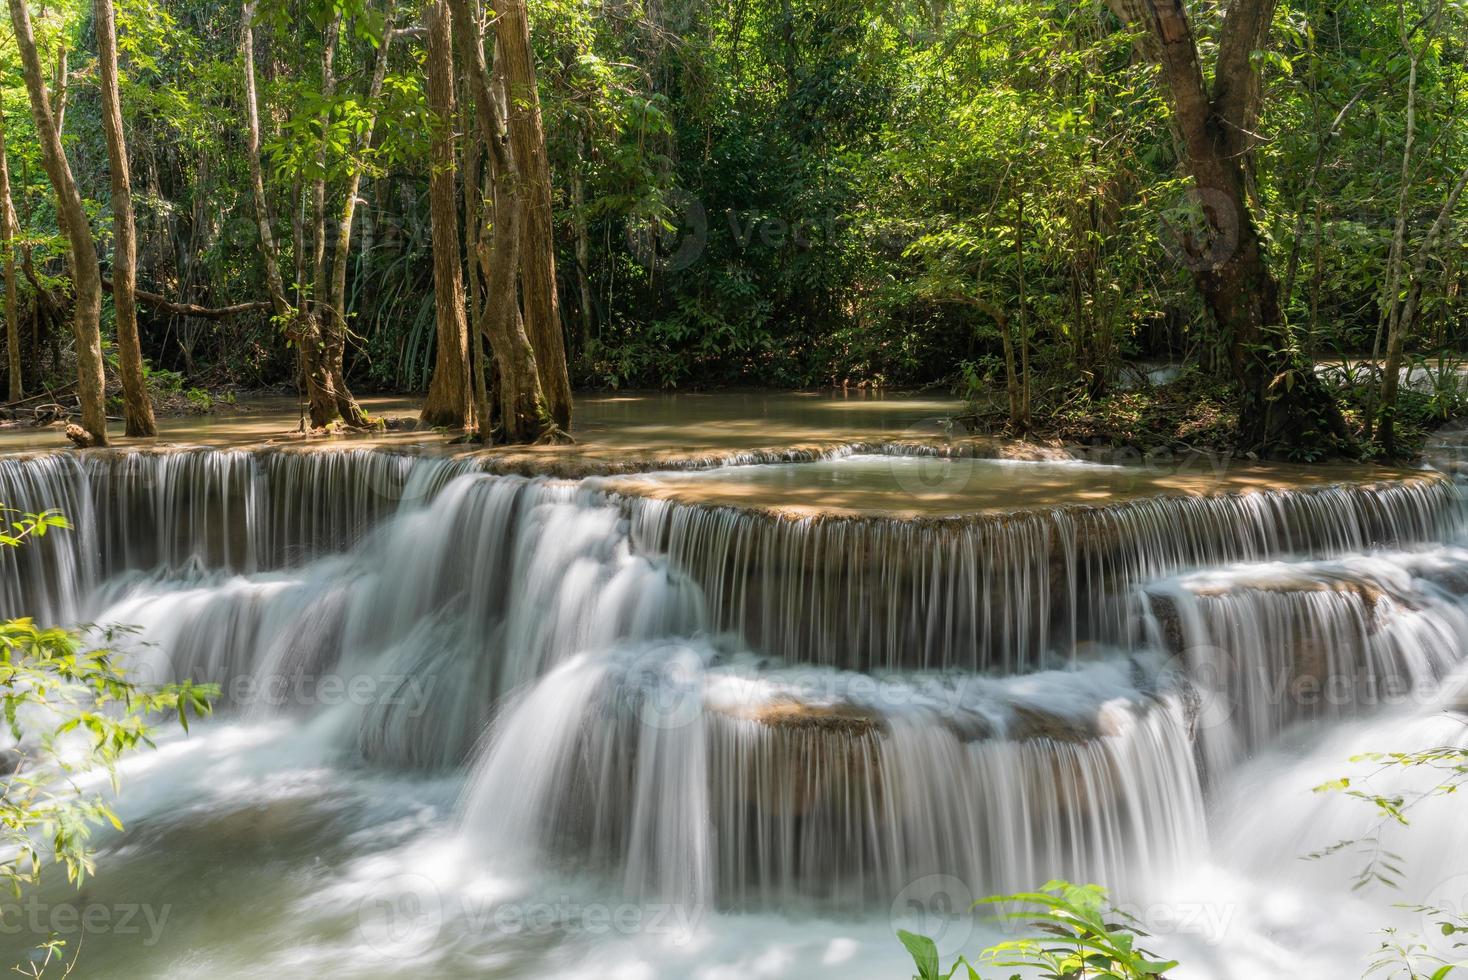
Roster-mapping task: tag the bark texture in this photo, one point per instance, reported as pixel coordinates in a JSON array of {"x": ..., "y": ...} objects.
[
  {"x": 537, "y": 255},
  {"x": 449, "y": 390},
  {"x": 336, "y": 335},
  {"x": 137, "y": 410},
  {"x": 519, "y": 389},
  {"x": 8, "y": 231},
  {"x": 86, "y": 275},
  {"x": 1284, "y": 409}
]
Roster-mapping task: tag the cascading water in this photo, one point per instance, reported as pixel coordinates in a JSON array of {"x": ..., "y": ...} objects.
[
  {"x": 465, "y": 689},
  {"x": 999, "y": 591}
]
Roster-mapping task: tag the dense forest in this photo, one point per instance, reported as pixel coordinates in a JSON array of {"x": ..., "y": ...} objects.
[{"x": 1034, "y": 202}]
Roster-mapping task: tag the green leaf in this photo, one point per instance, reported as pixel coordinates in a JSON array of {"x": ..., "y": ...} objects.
[{"x": 924, "y": 953}]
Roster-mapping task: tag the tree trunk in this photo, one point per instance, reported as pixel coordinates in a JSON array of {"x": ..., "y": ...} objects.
[
  {"x": 521, "y": 403},
  {"x": 316, "y": 344},
  {"x": 59, "y": 88},
  {"x": 1404, "y": 318},
  {"x": 269, "y": 255},
  {"x": 8, "y": 232},
  {"x": 449, "y": 391},
  {"x": 300, "y": 326},
  {"x": 472, "y": 170},
  {"x": 538, "y": 254},
  {"x": 1024, "y": 318},
  {"x": 519, "y": 379},
  {"x": 583, "y": 246},
  {"x": 137, "y": 410},
  {"x": 336, "y": 334},
  {"x": 1284, "y": 410},
  {"x": 86, "y": 276}
]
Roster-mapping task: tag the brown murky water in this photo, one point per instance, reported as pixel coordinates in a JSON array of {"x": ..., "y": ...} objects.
[
  {"x": 917, "y": 486},
  {"x": 681, "y": 424},
  {"x": 640, "y": 432}
]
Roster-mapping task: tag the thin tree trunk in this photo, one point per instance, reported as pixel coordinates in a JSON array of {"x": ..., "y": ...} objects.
[
  {"x": 8, "y": 231},
  {"x": 300, "y": 327},
  {"x": 1405, "y": 319},
  {"x": 137, "y": 410},
  {"x": 86, "y": 276},
  {"x": 583, "y": 245},
  {"x": 538, "y": 254},
  {"x": 321, "y": 393},
  {"x": 449, "y": 392},
  {"x": 298, "y": 241},
  {"x": 336, "y": 335},
  {"x": 1024, "y": 317},
  {"x": 474, "y": 215},
  {"x": 1391, "y": 308},
  {"x": 59, "y": 86},
  {"x": 269, "y": 255}
]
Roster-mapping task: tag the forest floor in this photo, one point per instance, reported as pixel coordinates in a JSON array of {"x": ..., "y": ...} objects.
[{"x": 1190, "y": 415}]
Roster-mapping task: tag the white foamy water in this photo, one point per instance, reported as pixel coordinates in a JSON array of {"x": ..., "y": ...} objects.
[{"x": 484, "y": 725}]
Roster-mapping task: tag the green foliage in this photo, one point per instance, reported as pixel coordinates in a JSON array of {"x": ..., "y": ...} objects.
[
  {"x": 1407, "y": 957},
  {"x": 864, "y": 188},
  {"x": 1446, "y": 768},
  {"x": 69, "y": 709},
  {"x": 1076, "y": 934}
]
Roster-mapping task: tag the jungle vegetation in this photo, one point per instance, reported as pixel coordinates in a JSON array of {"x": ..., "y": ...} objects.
[{"x": 1031, "y": 201}]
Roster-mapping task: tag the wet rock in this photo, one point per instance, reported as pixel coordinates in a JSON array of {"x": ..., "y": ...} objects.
[
  {"x": 791, "y": 715},
  {"x": 1030, "y": 723}
]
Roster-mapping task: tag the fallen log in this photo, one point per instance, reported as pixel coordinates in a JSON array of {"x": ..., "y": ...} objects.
[
  {"x": 53, "y": 395},
  {"x": 166, "y": 305}
]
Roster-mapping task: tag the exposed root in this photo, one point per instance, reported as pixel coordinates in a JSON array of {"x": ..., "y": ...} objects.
[{"x": 554, "y": 435}]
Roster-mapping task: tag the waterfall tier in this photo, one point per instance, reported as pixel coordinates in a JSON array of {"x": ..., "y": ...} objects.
[
  {"x": 992, "y": 591},
  {"x": 713, "y": 704}
]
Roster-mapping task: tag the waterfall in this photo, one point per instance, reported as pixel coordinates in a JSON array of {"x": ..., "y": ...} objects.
[
  {"x": 706, "y": 778},
  {"x": 739, "y": 709},
  {"x": 1000, "y": 592},
  {"x": 1273, "y": 644}
]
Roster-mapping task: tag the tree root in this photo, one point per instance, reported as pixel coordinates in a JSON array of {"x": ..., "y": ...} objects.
[{"x": 554, "y": 435}]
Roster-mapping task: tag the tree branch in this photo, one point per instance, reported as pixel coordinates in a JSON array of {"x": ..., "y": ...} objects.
[{"x": 158, "y": 302}]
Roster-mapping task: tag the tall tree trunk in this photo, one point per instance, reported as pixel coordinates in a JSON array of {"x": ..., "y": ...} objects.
[
  {"x": 8, "y": 232},
  {"x": 336, "y": 335},
  {"x": 471, "y": 176},
  {"x": 1391, "y": 307},
  {"x": 449, "y": 392},
  {"x": 519, "y": 386},
  {"x": 1024, "y": 317},
  {"x": 264, "y": 224},
  {"x": 59, "y": 88},
  {"x": 1405, "y": 317},
  {"x": 583, "y": 245},
  {"x": 321, "y": 394},
  {"x": 137, "y": 410},
  {"x": 1284, "y": 410},
  {"x": 86, "y": 276},
  {"x": 299, "y": 326},
  {"x": 538, "y": 254}
]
